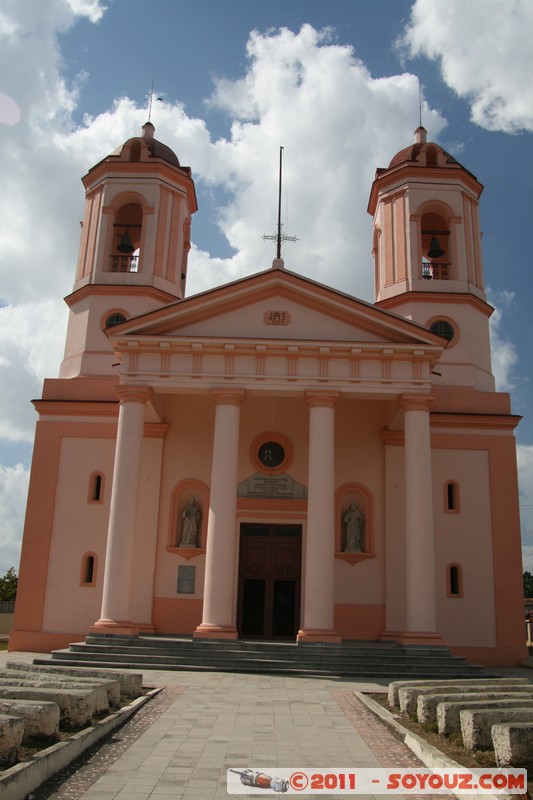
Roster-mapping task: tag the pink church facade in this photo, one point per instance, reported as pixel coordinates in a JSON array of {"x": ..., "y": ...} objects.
[{"x": 274, "y": 458}]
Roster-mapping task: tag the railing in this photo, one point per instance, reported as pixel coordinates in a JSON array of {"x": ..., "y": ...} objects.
[
  {"x": 123, "y": 263},
  {"x": 432, "y": 271},
  {"x": 7, "y": 606}
]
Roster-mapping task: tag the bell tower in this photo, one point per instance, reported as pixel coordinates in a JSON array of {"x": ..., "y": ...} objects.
[
  {"x": 134, "y": 246},
  {"x": 427, "y": 255}
]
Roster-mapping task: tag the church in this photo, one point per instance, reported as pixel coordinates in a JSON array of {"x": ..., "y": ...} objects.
[{"x": 273, "y": 458}]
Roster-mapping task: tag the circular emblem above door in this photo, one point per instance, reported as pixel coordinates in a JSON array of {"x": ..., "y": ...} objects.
[{"x": 271, "y": 452}]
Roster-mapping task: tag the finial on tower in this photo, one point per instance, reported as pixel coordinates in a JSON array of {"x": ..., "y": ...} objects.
[
  {"x": 421, "y": 135},
  {"x": 148, "y": 131}
]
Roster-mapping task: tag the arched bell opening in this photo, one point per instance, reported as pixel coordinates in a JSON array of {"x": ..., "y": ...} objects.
[
  {"x": 127, "y": 231},
  {"x": 436, "y": 247}
]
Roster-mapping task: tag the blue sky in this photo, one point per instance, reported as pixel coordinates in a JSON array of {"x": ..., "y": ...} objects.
[{"x": 335, "y": 83}]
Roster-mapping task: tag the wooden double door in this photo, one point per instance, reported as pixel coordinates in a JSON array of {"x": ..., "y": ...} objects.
[{"x": 269, "y": 580}]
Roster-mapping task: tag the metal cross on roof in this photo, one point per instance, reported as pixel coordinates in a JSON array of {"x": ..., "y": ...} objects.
[{"x": 279, "y": 237}]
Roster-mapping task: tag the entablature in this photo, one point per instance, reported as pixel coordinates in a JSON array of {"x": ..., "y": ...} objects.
[{"x": 187, "y": 361}]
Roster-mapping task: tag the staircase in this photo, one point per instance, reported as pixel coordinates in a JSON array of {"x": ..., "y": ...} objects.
[{"x": 349, "y": 659}]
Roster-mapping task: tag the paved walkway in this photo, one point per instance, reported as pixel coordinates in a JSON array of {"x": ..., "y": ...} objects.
[{"x": 181, "y": 744}]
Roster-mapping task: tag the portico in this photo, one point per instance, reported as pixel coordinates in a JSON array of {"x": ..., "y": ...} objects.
[{"x": 231, "y": 377}]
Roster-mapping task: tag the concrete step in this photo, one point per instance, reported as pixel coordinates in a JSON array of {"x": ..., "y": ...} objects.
[
  {"x": 347, "y": 659},
  {"x": 228, "y": 657},
  {"x": 268, "y": 668}
]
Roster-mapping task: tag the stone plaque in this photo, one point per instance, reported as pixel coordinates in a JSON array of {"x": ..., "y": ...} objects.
[
  {"x": 277, "y": 318},
  {"x": 186, "y": 579},
  {"x": 275, "y": 487}
]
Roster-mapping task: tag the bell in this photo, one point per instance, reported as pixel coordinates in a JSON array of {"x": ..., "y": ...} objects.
[
  {"x": 435, "y": 250},
  {"x": 125, "y": 245}
]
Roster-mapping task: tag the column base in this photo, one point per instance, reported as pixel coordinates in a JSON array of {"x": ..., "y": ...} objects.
[
  {"x": 413, "y": 637},
  {"x": 208, "y": 630},
  {"x": 121, "y": 628},
  {"x": 318, "y": 635},
  {"x": 145, "y": 627}
]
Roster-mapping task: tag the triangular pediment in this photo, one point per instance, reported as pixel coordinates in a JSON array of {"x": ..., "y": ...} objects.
[{"x": 277, "y": 304}]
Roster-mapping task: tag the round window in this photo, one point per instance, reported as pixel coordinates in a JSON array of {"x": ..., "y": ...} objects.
[
  {"x": 115, "y": 319},
  {"x": 442, "y": 328}
]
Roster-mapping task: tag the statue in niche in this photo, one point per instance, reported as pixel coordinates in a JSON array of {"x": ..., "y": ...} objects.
[
  {"x": 353, "y": 521},
  {"x": 190, "y": 518}
]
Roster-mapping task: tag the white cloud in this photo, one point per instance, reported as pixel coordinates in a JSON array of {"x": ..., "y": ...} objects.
[
  {"x": 31, "y": 348},
  {"x": 485, "y": 55},
  {"x": 13, "y": 492},
  {"x": 503, "y": 351},
  {"x": 92, "y": 9}
]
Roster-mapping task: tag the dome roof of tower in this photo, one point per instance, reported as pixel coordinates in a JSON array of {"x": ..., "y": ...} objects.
[
  {"x": 155, "y": 148},
  {"x": 413, "y": 152},
  {"x": 159, "y": 150}
]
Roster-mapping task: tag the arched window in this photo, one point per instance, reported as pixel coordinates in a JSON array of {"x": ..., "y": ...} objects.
[
  {"x": 96, "y": 488},
  {"x": 89, "y": 564},
  {"x": 454, "y": 580},
  {"x": 451, "y": 496}
]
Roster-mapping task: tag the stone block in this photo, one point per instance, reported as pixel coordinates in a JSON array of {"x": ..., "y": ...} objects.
[
  {"x": 130, "y": 682},
  {"x": 76, "y": 705},
  {"x": 448, "y": 711},
  {"x": 513, "y": 744},
  {"x": 395, "y": 686},
  {"x": 408, "y": 696},
  {"x": 427, "y": 704},
  {"x": 112, "y": 686},
  {"x": 40, "y": 717},
  {"x": 11, "y": 678},
  {"x": 11, "y": 733},
  {"x": 476, "y": 726}
]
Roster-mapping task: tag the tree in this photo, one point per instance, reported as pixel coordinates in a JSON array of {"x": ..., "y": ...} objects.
[
  {"x": 8, "y": 585},
  {"x": 528, "y": 584}
]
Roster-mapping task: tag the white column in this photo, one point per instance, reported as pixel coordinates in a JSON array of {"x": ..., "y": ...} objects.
[
  {"x": 115, "y": 616},
  {"x": 319, "y": 574},
  {"x": 420, "y": 612},
  {"x": 218, "y": 619}
]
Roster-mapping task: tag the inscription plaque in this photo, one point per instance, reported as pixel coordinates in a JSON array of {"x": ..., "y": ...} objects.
[
  {"x": 186, "y": 579},
  {"x": 275, "y": 487}
]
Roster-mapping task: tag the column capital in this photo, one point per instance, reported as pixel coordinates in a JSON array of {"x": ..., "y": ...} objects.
[
  {"x": 324, "y": 399},
  {"x": 229, "y": 397},
  {"x": 134, "y": 394},
  {"x": 416, "y": 402}
]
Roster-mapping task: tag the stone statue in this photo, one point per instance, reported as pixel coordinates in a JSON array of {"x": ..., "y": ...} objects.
[
  {"x": 191, "y": 519},
  {"x": 353, "y": 520}
]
